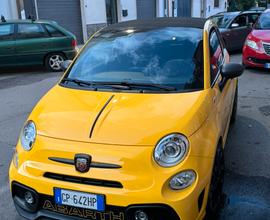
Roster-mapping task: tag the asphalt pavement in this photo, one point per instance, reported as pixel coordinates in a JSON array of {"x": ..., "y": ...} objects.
[{"x": 247, "y": 182}]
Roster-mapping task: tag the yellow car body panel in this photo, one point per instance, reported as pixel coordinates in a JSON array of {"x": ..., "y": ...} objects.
[
  {"x": 75, "y": 112},
  {"x": 64, "y": 118}
]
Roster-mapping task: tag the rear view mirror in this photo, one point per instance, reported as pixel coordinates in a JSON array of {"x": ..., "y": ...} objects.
[
  {"x": 232, "y": 70},
  {"x": 65, "y": 64},
  {"x": 235, "y": 25}
]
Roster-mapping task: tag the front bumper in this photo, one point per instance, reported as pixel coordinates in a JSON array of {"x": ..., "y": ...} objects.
[
  {"x": 144, "y": 184},
  {"x": 252, "y": 58},
  {"x": 46, "y": 207},
  {"x": 70, "y": 54}
]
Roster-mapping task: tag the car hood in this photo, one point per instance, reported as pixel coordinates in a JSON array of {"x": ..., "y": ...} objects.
[
  {"x": 261, "y": 35},
  {"x": 118, "y": 118}
]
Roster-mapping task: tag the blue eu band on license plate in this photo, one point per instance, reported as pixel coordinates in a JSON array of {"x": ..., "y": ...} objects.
[
  {"x": 267, "y": 65},
  {"x": 79, "y": 199}
]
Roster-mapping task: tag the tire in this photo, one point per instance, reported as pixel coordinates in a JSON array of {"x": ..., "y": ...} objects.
[
  {"x": 235, "y": 104},
  {"x": 53, "y": 62},
  {"x": 216, "y": 197}
]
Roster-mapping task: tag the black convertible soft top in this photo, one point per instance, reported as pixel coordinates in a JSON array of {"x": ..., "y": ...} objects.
[{"x": 157, "y": 23}]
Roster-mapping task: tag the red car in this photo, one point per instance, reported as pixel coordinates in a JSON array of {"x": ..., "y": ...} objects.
[{"x": 256, "y": 51}]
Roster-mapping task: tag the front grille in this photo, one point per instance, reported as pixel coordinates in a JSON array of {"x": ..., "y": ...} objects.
[
  {"x": 266, "y": 47},
  {"x": 83, "y": 180},
  {"x": 47, "y": 203},
  {"x": 259, "y": 61}
]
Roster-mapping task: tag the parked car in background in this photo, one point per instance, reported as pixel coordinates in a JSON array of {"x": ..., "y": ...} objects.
[
  {"x": 256, "y": 52},
  {"x": 257, "y": 9},
  {"x": 40, "y": 42},
  {"x": 235, "y": 27}
]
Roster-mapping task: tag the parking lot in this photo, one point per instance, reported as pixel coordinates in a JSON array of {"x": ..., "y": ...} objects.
[{"x": 247, "y": 183}]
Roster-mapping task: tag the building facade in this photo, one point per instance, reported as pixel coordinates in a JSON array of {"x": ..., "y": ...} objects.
[
  {"x": 8, "y": 8},
  {"x": 84, "y": 17}
]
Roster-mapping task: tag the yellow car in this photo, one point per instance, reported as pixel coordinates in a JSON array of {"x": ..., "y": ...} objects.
[{"x": 134, "y": 130}]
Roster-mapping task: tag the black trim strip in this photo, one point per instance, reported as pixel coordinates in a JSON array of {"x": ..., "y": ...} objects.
[
  {"x": 93, "y": 164},
  {"x": 83, "y": 180},
  {"x": 96, "y": 119}
]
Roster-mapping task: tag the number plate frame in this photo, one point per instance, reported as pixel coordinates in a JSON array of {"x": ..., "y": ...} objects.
[
  {"x": 98, "y": 200},
  {"x": 267, "y": 65}
]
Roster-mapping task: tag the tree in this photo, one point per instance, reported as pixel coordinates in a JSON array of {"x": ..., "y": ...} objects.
[
  {"x": 241, "y": 5},
  {"x": 246, "y": 4}
]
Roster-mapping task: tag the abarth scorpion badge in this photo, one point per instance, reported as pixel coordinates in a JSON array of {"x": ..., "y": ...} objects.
[{"x": 82, "y": 162}]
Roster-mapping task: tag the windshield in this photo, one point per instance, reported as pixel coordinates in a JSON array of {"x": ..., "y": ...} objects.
[
  {"x": 167, "y": 56},
  {"x": 263, "y": 22},
  {"x": 222, "y": 21}
]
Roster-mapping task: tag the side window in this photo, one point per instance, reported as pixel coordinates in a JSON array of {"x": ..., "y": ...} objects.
[
  {"x": 53, "y": 31},
  {"x": 216, "y": 3},
  {"x": 6, "y": 31},
  {"x": 26, "y": 31},
  {"x": 216, "y": 55},
  {"x": 252, "y": 18},
  {"x": 241, "y": 21}
]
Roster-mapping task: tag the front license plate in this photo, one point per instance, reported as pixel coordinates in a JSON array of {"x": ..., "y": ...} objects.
[
  {"x": 79, "y": 199},
  {"x": 267, "y": 65}
]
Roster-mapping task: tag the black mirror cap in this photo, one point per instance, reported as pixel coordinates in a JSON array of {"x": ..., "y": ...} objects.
[
  {"x": 65, "y": 64},
  {"x": 232, "y": 70}
]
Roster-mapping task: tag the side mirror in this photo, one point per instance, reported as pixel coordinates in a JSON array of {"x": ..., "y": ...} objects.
[
  {"x": 65, "y": 64},
  {"x": 232, "y": 70},
  {"x": 235, "y": 25}
]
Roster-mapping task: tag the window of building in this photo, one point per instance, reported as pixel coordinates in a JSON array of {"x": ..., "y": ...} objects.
[
  {"x": 216, "y": 55},
  {"x": 111, "y": 11},
  {"x": 31, "y": 31},
  {"x": 6, "y": 31},
  {"x": 216, "y": 3}
]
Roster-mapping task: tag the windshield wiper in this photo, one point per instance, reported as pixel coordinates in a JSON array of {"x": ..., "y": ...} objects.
[
  {"x": 119, "y": 85},
  {"x": 129, "y": 85},
  {"x": 77, "y": 81}
]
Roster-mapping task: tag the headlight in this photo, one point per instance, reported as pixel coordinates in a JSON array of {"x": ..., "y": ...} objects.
[
  {"x": 28, "y": 135},
  {"x": 252, "y": 44},
  {"x": 171, "y": 150}
]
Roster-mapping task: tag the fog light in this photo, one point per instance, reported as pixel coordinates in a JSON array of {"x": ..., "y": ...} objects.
[
  {"x": 29, "y": 198},
  {"x": 140, "y": 215},
  {"x": 183, "y": 180}
]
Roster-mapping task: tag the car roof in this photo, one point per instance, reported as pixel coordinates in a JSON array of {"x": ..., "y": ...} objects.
[
  {"x": 27, "y": 21},
  {"x": 227, "y": 13},
  {"x": 157, "y": 23},
  {"x": 237, "y": 13},
  {"x": 251, "y": 12},
  {"x": 267, "y": 11}
]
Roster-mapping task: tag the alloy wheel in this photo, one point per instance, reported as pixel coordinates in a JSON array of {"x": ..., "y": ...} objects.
[{"x": 55, "y": 61}]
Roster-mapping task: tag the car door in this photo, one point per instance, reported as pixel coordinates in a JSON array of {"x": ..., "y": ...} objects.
[
  {"x": 7, "y": 45},
  {"x": 239, "y": 29},
  {"x": 32, "y": 43},
  {"x": 59, "y": 41},
  {"x": 222, "y": 95}
]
